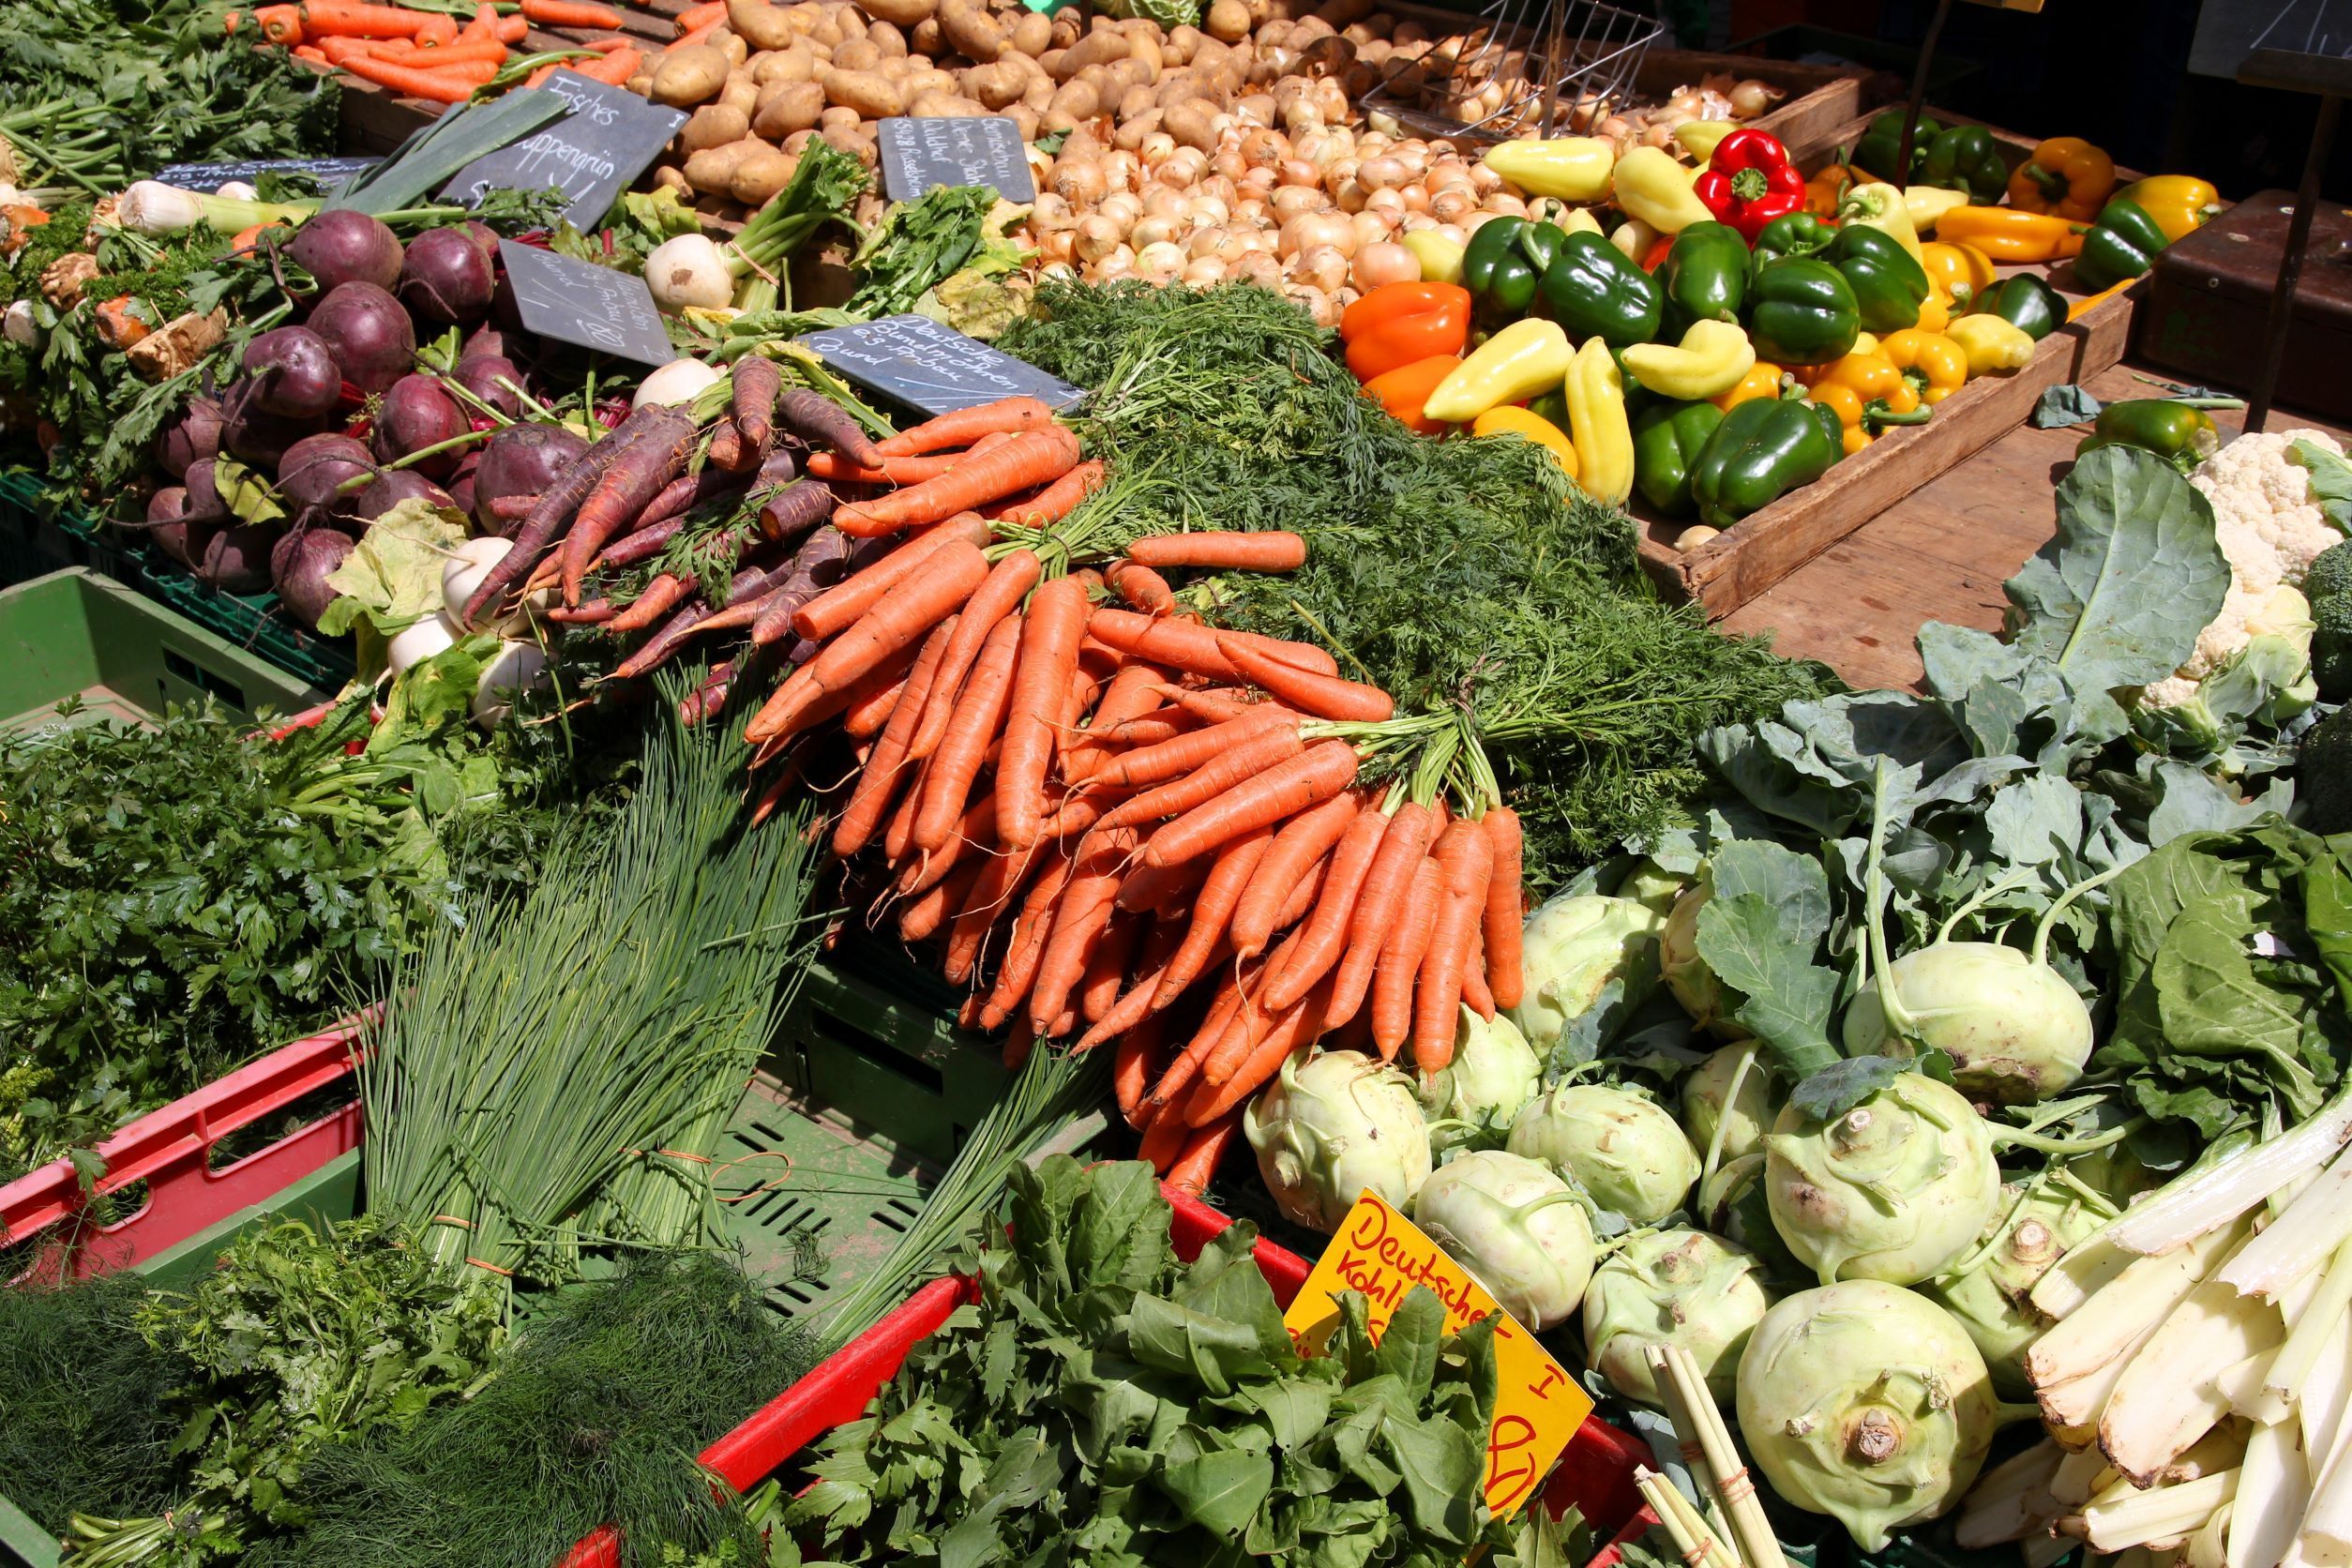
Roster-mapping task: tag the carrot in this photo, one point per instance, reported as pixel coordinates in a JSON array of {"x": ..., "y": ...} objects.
[
  {"x": 1236, "y": 765},
  {"x": 1048, "y": 660},
  {"x": 328, "y": 18},
  {"x": 461, "y": 53},
  {"x": 921, "y": 918},
  {"x": 821, "y": 422},
  {"x": 512, "y": 29},
  {"x": 1131, "y": 1070},
  {"x": 1503, "y": 916},
  {"x": 699, "y": 35},
  {"x": 1026, "y": 946},
  {"x": 1189, "y": 645},
  {"x": 1465, "y": 858},
  {"x": 903, "y": 618},
  {"x": 1152, "y": 887},
  {"x": 1056, "y": 501},
  {"x": 1141, "y": 587},
  {"x": 838, "y": 607},
  {"x": 978, "y": 714},
  {"x": 1285, "y": 789},
  {"x": 1180, "y": 754},
  {"x": 1160, "y": 724},
  {"x": 1084, "y": 910},
  {"x": 1302, "y": 841},
  {"x": 1302, "y": 895},
  {"x": 339, "y": 49},
  {"x": 317, "y": 57},
  {"x": 1107, "y": 965},
  {"x": 925, "y": 870},
  {"x": 871, "y": 707},
  {"x": 1135, "y": 1010},
  {"x": 1032, "y": 458},
  {"x": 1197, "y": 1162},
  {"x": 614, "y": 70},
  {"x": 1324, "y": 936},
  {"x": 1164, "y": 1139},
  {"x": 1221, "y": 1097},
  {"x": 1274, "y": 551},
  {"x": 727, "y": 449},
  {"x": 703, "y": 15},
  {"x": 451, "y": 84},
  {"x": 1253, "y": 1019},
  {"x": 996, "y": 598},
  {"x": 797, "y": 509},
  {"x": 1184, "y": 1066},
  {"x": 1402, "y": 847},
  {"x": 964, "y": 425},
  {"x": 1212, "y": 913},
  {"x": 596, "y": 612},
  {"x": 1080, "y": 812},
  {"x": 1128, "y": 696},
  {"x": 892, "y": 471},
  {"x": 557, "y": 503},
  {"x": 281, "y": 25},
  {"x": 1475, "y": 992},
  {"x": 1310, "y": 692},
  {"x": 484, "y": 25},
  {"x": 1006, "y": 878},
  {"x": 1401, "y": 953},
  {"x": 118, "y": 327},
  {"x": 571, "y": 13}
]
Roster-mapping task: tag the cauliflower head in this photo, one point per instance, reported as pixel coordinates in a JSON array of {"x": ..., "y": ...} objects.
[{"x": 2266, "y": 518}]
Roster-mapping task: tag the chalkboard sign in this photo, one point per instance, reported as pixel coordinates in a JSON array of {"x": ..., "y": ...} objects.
[
  {"x": 2229, "y": 30},
  {"x": 328, "y": 172},
  {"x": 591, "y": 155},
  {"x": 579, "y": 302},
  {"x": 918, "y": 155},
  {"x": 916, "y": 361}
]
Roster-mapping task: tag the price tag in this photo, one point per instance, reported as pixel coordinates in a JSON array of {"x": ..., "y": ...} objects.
[
  {"x": 916, "y": 361},
  {"x": 604, "y": 140},
  {"x": 918, "y": 155},
  {"x": 328, "y": 172},
  {"x": 581, "y": 303},
  {"x": 1379, "y": 1252}
]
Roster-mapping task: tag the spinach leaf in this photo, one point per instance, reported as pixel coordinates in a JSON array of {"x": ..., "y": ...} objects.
[{"x": 1759, "y": 934}]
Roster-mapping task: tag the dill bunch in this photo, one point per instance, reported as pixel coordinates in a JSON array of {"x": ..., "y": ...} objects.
[{"x": 81, "y": 1427}]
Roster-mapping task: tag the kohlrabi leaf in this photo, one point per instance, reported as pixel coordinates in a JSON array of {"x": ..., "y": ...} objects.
[
  {"x": 2193, "y": 801},
  {"x": 2061, "y": 408},
  {"x": 1760, "y": 933},
  {"x": 2118, "y": 597},
  {"x": 1842, "y": 1085}
]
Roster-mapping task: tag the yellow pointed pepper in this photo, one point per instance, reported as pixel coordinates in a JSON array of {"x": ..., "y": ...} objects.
[
  {"x": 1650, "y": 185},
  {"x": 1523, "y": 360},
  {"x": 1930, "y": 360},
  {"x": 1510, "y": 420},
  {"x": 1698, "y": 137},
  {"x": 1762, "y": 381},
  {"x": 1634, "y": 239},
  {"x": 1993, "y": 346},
  {"x": 1440, "y": 258},
  {"x": 1880, "y": 205},
  {"x": 1571, "y": 168},
  {"x": 1580, "y": 220},
  {"x": 1925, "y": 203},
  {"x": 1711, "y": 358},
  {"x": 2006, "y": 235},
  {"x": 2066, "y": 177},
  {"x": 1604, "y": 436},
  {"x": 2179, "y": 203},
  {"x": 1959, "y": 270}
]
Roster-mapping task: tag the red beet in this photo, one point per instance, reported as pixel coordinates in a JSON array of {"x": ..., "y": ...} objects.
[
  {"x": 415, "y": 414},
  {"x": 371, "y": 336},
  {"x": 447, "y": 277},
  {"x": 346, "y": 246}
]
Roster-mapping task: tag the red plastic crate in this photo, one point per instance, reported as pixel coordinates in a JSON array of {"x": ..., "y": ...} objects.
[{"x": 1633, "y": 1529}]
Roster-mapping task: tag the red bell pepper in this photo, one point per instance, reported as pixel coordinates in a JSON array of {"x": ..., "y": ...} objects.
[
  {"x": 1400, "y": 323},
  {"x": 1749, "y": 182}
]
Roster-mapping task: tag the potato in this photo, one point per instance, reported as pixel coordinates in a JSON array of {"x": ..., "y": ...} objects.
[
  {"x": 1193, "y": 124},
  {"x": 926, "y": 39},
  {"x": 971, "y": 32},
  {"x": 714, "y": 124},
  {"x": 945, "y": 105},
  {"x": 1179, "y": 44},
  {"x": 874, "y": 95},
  {"x": 856, "y": 54},
  {"x": 1131, "y": 132},
  {"x": 997, "y": 84},
  {"x": 688, "y": 76},
  {"x": 1068, "y": 28},
  {"x": 762, "y": 23},
  {"x": 760, "y": 171},
  {"x": 787, "y": 108},
  {"x": 901, "y": 13},
  {"x": 923, "y": 77},
  {"x": 1038, "y": 95},
  {"x": 886, "y": 37},
  {"x": 796, "y": 63},
  {"x": 712, "y": 171},
  {"x": 1033, "y": 32},
  {"x": 741, "y": 91},
  {"x": 1095, "y": 48},
  {"x": 670, "y": 177},
  {"x": 1021, "y": 115}
]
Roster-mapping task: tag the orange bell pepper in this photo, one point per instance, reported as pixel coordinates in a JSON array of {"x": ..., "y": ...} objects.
[
  {"x": 1402, "y": 323},
  {"x": 1958, "y": 270},
  {"x": 1826, "y": 190},
  {"x": 1865, "y": 391},
  {"x": 1404, "y": 391},
  {"x": 1762, "y": 381},
  {"x": 1933, "y": 364},
  {"x": 2066, "y": 177}
]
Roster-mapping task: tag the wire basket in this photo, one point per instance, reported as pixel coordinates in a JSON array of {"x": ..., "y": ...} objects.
[{"x": 1519, "y": 66}]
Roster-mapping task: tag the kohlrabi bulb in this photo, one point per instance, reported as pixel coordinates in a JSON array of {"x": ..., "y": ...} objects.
[
  {"x": 1895, "y": 1189},
  {"x": 1732, "y": 1204},
  {"x": 1494, "y": 1071},
  {"x": 1328, "y": 1130},
  {"x": 1986, "y": 1293},
  {"x": 1621, "y": 1147},
  {"x": 1705, "y": 1089},
  {"x": 1865, "y": 1402},
  {"x": 1572, "y": 949},
  {"x": 1516, "y": 1227},
  {"x": 1686, "y": 975},
  {"x": 2015, "y": 1029},
  {"x": 1679, "y": 1288},
  {"x": 1653, "y": 886}
]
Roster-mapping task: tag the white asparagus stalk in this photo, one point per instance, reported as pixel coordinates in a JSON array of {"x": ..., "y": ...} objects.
[
  {"x": 2011, "y": 1501},
  {"x": 2302, "y": 1239},
  {"x": 2089, "y": 1266},
  {"x": 2315, "y": 1327},
  {"x": 2082, "y": 1476},
  {"x": 2328, "y": 1522},
  {"x": 1756, "y": 1544},
  {"x": 1699, "y": 1545},
  {"x": 2212, "y": 1199},
  {"x": 2170, "y": 1395},
  {"x": 2124, "y": 1314},
  {"x": 2163, "y": 1514},
  {"x": 2273, "y": 1490}
]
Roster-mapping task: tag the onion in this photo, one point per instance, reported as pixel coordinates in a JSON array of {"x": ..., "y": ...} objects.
[
  {"x": 1453, "y": 204},
  {"x": 1203, "y": 272},
  {"x": 1381, "y": 264},
  {"x": 1051, "y": 214},
  {"x": 1120, "y": 172},
  {"x": 1097, "y": 236},
  {"x": 1160, "y": 262},
  {"x": 1079, "y": 182},
  {"x": 1323, "y": 266},
  {"x": 1349, "y": 195},
  {"x": 1157, "y": 149},
  {"x": 1382, "y": 173},
  {"x": 1149, "y": 232},
  {"x": 1210, "y": 212},
  {"x": 1258, "y": 269},
  {"x": 1309, "y": 230},
  {"x": 1752, "y": 98},
  {"x": 1371, "y": 227},
  {"x": 1230, "y": 164},
  {"x": 1261, "y": 182},
  {"x": 1299, "y": 172},
  {"x": 1122, "y": 208},
  {"x": 1266, "y": 148},
  {"x": 1118, "y": 264},
  {"x": 1058, "y": 249},
  {"x": 681, "y": 381},
  {"x": 1297, "y": 200}
]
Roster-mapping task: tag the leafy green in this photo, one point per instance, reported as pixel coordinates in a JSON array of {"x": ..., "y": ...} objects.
[
  {"x": 75, "y": 1377},
  {"x": 392, "y": 576},
  {"x": 2330, "y": 480},
  {"x": 1769, "y": 911},
  {"x": 919, "y": 246}
]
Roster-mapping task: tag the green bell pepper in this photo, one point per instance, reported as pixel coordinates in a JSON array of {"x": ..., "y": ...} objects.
[
  {"x": 2122, "y": 243},
  {"x": 1764, "y": 448},
  {"x": 1967, "y": 158},
  {"x": 2025, "y": 302},
  {"x": 1503, "y": 265},
  {"x": 1875, "y": 152},
  {"x": 1551, "y": 406},
  {"x": 1801, "y": 312},
  {"x": 2181, "y": 433},
  {"x": 1595, "y": 291},
  {"x": 1667, "y": 439},
  {"x": 1793, "y": 234},
  {"x": 1704, "y": 277},
  {"x": 1889, "y": 285}
]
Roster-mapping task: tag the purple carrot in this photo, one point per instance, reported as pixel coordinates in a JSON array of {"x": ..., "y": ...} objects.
[
  {"x": 663, "y": 595},
  {"x": 644, "y": 545},
  {"x": 512, "y": 508},
  {"x": 628, "y": 483},
  {"x": 819, "y": 419},
  {"x": 753, "y": 405},
  {"x": 796, "y": 508},
  {"x": 751, "y": 582},
  {"x": 728, "y": 450},
  {"x": 596, "y": 612},
  {"x": 683, "y": 494},
  {"x": 557, "y": 504},
  {"x": 820, "y": 562}
]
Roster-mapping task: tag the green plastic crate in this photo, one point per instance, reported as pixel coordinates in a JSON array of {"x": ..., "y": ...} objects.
[{"x": 74, "y": 633}]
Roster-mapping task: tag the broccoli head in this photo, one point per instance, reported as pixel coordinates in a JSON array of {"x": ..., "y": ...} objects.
[
  {"x": 2322, "y": 774},
  {"x": 2329, "y": 586}
]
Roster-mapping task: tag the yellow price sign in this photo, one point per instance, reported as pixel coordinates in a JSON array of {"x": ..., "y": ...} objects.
[{"x": 1379, "y": 1253}]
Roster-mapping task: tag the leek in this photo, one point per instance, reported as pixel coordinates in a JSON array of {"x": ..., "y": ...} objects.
[
  {"x": 2086, "y": 1268},
  {"x": 2125, "y": 1311},
  {"x": 2013, "y": 1501},
  {"x": 2301, "y": 1239},
  {"x": 151, "y": 207},
  {"x": 2273, "y": 1490},
  {"x": 434, "y": 155},
  {"x": 2316, "y": 1325},
  {"x": 2081, "y": 1476},
  {"x": 2319, "y": 1403},
  {"x": 2164, "y": 1513}
]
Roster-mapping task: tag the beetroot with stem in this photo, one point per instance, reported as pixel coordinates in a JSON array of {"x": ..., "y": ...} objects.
[
  {"x": 416, "y": 416},
  {"x": 300, "y": 563},
  {"x": 192, "y": 436},
  {"x": 373, "y": 342},
  {"x": 394, "y": 486},
  {"x": 311, "y": 475},
  {"x": 235, "y": 560},
  {"x": 483, "y": 343},
  {"x": 521, "y": 460},
  {"x": 486, "y": 376},
  {"x": 167, "y": 522},
  {"x": 254, "y": 435},
  {"x": 346, "y": 246},
  {"x": 202, "y": 493},
  {"x": 461, "y": 485},
  {"x": 293, "y": 373},
  {"x": 447, "y": 277}
]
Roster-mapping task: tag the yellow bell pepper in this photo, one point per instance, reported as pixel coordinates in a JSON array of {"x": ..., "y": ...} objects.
[
  {"x": 1935, "y": 311},
  {"x": 1879, "y": 205},
  {"x": 1711, "y": 358},
  {"x": 1634, "y": 239},
  {"x": 1571, "y": 168},
  {"x": 1846, "y": 404},
  {"x": 1959, "y": 270},
  {"x": 1519, "y": 421},
  {"x": 1993, "y": 346},
  {"x": 2006, "y": 235},
  {"x": 1524, "y": 359},
  {"x": 1864, "y": 342},
  {"x": 2066, "y": 177},
  {"x": 1866, "y": 393},
  {"x": 1762, "y": 381},
  {"x": 1698, "y": 137},
  {"x": 1440, "y": 258},
  {"x": 1580, "y": 221},
  {"x": 2179, "y": 203},
  {"x": 1650, "y": 185},
  {"x": 1604, "y": 436},
  {"x": 1925, "y": 203},
  {"x": 1930, "y": 362}
]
